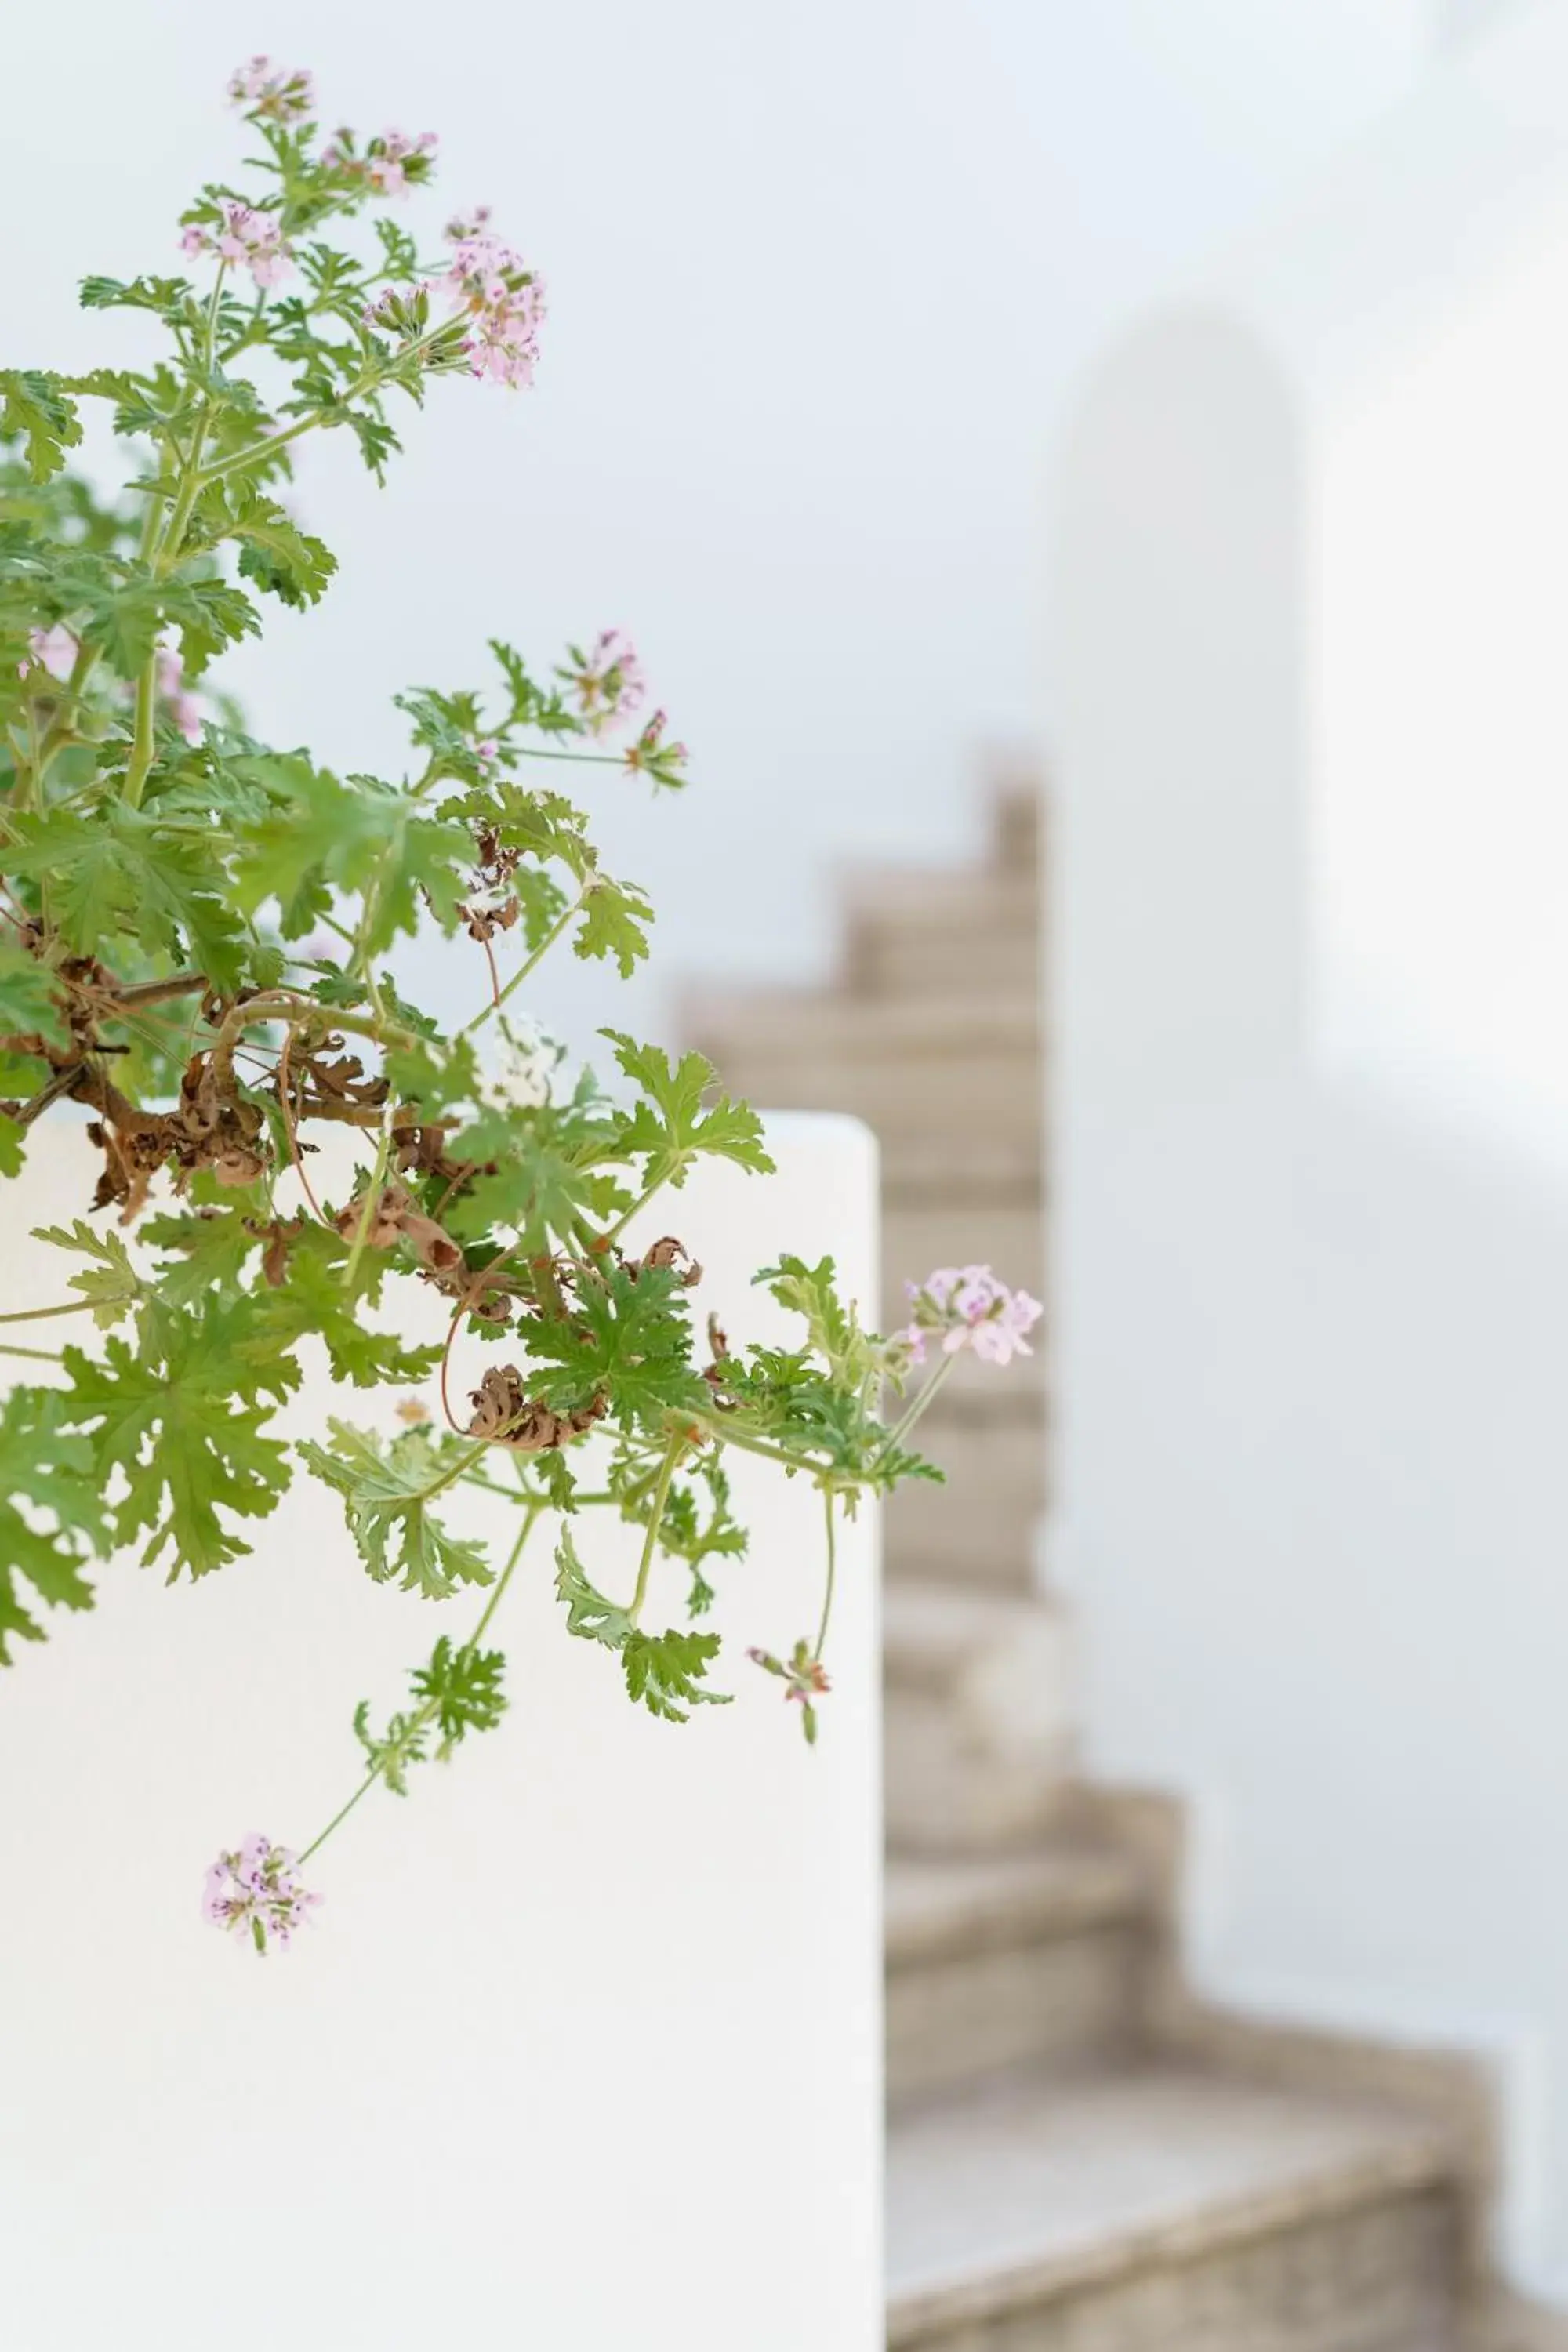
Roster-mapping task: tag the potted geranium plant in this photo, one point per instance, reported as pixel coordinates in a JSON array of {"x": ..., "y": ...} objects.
[{"x": 196, "y": 934}]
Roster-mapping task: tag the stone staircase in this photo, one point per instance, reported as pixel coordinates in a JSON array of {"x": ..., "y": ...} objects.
[{"x": 1082, "y": 2157}]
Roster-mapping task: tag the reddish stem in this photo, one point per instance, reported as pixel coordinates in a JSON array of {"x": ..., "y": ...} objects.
[{"x": 284, "y": 1105}]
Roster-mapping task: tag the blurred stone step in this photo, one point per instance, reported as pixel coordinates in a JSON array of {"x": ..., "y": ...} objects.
[
  {"x": 799, "y": 1025},
  {"x": 977, "y": 1719},
  {"x": 1511, "y": 2325},
  {"x": 993, "y": 1962},
  {"x": 993, "y": 1553},
  {"x": 1169, "y": 2211},
  {"x": 962, "y": 936},
  {"x": 952, "y": 1160},
  {"x": 979, "y": 1525},
  {"x": 1017, "y": 824},
  {"x": 907, "y": 1071}
]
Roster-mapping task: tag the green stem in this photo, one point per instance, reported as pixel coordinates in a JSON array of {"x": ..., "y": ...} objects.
[
  {"x": 279, "y": 1005},
  {"x": 38, "y": 1354},
  {"x": 727, "y": 1436},
  {"x": 72, "y": 1306},
  {"x": 55, "y": 732},
  {"x": 160, "y": 551},
  {"x": 449, "y": 1477},
  {"x": 141, "y": 735},
  {"x": 430, "y": 1705},
  {"x": 827, "y": 1592},
  {"x": 673, "y": 1452},
  {"x": 331, "y": 923},
  {"x": 260, "y": 450},
  {"x": 369, "y": 381},
  {"x": 532, "y": 963},
  {"x": 588, "y": 759},
  {"x": 372, "y": 1194},
  {"x": 614, "y": 1233},
  {"x": 365, "y": 1786},
  {"x": 926, "y": 1397}
]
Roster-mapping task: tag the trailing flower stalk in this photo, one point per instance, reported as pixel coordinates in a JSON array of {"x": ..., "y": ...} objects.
[{"x": 198, "y": 940}]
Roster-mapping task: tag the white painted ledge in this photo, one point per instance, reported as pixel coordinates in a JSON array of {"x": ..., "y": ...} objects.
[{"x": 586, "y": 2048}]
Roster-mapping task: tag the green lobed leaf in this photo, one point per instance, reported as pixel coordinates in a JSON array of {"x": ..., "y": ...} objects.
[
  {"x": 588, "y": 1612},
  {"x": 37, "y": 407},
  {"x": 55, "y": 1474},
  {"x": 313, "y": 1303},
  {"x": 387, "y": 1485},
  {"x": 628, "y": 1336},
  {"x": 28, "y": 1003},
  {"x": 463, "y": 1685},
  {"x": 664, "y": 1671},
  {"x": 184, "y": 1417},
  {"x": 122, "y": 874},
  {"x": 671, "y": 1125},
  {"x": 111, "y": 1282}
]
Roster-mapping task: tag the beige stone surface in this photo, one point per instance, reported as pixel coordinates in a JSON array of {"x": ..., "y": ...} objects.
[
  {"x": 938, "y": 1636},
  {"x": 945, "y": 1795},
  {"x": 978, "y": 1730},
  {"x": 935, "y": 1909},
  {"x": 1103, "y": 2213},
  {"x": 978, "y": 1525},
  {"x": 808, "y": 1026},
  {"x": 953, "y": 952},
  {"x": 1509, "y": 2325},
  {"x": 1038, "y": 1959}
]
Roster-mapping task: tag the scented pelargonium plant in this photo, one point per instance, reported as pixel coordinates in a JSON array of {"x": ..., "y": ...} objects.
[{"x": 198, "y": 934}]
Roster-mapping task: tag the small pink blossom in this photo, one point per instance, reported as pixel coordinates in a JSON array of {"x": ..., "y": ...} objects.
[
  {"x": 183, "y": 708},
  {"x": 257, "y": 1891},
  {"x": 487, "y": 751},
  {"x": 402, "y": 309},
  {"x": 53, "y": 649},
  {"x": 503, "y": 298},
  {"x": 967, "y": 1306},
  {"x": 244, "y": 238},
  {"x": 386, "y": 165},
  {"x": 805, "y": 1679},
  {"x": 261, "y": 88},
  {"x": 608, "y": 680},
  {"x": 651, "y": 755}
]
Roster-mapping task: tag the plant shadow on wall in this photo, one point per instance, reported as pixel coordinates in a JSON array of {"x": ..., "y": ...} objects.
[{"x": 196, "y": 932}]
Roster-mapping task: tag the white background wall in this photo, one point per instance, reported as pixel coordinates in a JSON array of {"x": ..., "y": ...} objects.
[
  {"x": 585, "y": 2046},
  {"x": 819, "y": 279},
  {"x": 1311, "y": 1231}
]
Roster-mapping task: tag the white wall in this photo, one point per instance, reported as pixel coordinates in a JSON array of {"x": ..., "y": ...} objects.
[
  {"x": 819, "y": 278},
  {"x": 1311, "y": 1241},
  {"x": 1460, "y": 20},
  {"x": 584, "y": 2047}
]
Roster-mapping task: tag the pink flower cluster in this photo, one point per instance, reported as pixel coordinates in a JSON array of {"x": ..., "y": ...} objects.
[
  {"x": 386, "y": 165},
  {"x": 650, "y": 754},
  {"x": 53, "y": 649},
  {"x": 505, "y": 301},
  {"x": 262, "y": 88},
  {"x": 607, "y": 681},
  {"x": 803, "y": 1678},
  {"x": 256, "y": 1892},
  {"x": 245, "y": 239},
  {"x": 967, "y": 1306},
  {"x": 402, "y": 309}
]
